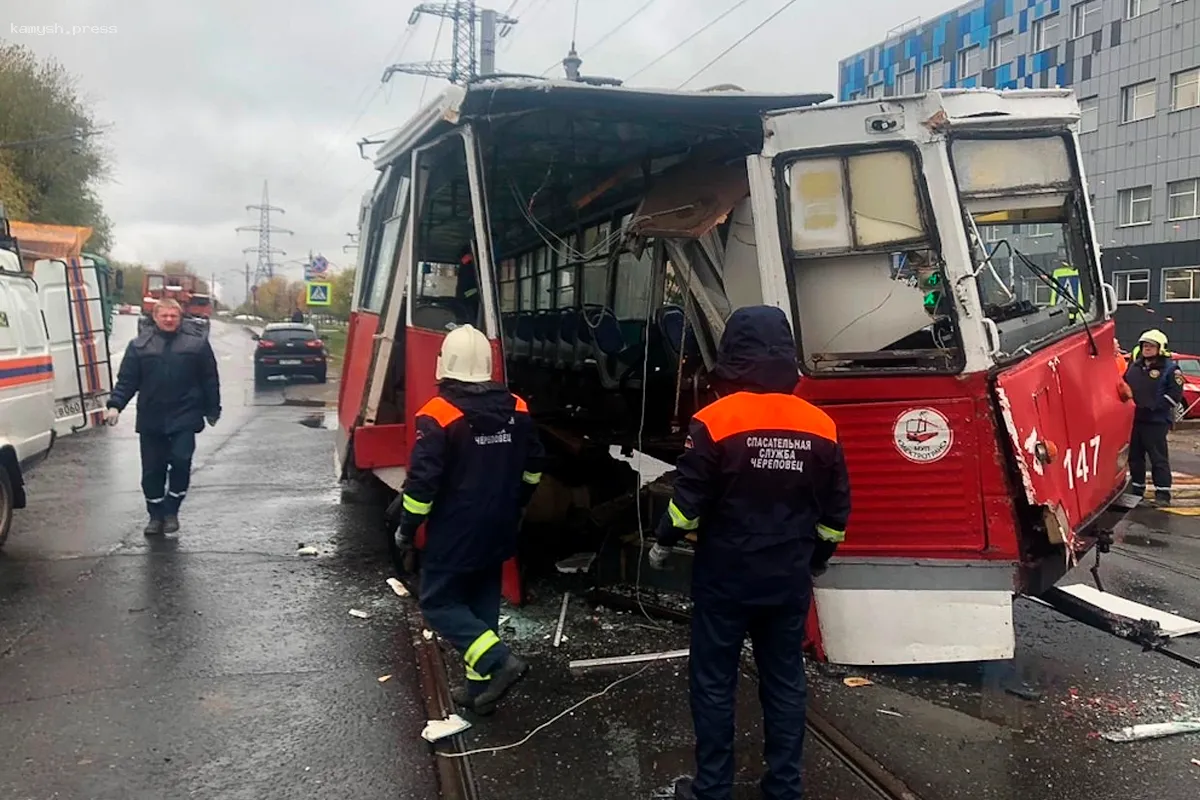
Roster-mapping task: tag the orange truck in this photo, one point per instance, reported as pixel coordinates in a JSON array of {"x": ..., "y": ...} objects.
[{"x": 184, "y": 288}]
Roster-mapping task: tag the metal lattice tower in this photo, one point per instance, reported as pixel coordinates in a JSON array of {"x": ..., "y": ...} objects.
[
  {"x": 463, "y": 65},
  {"x": 265, "y": 270}
]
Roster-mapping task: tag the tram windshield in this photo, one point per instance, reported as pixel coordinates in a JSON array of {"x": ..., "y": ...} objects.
[
  {"x": 867, "y": 276},
  {"x": 1027, "y": 228}
]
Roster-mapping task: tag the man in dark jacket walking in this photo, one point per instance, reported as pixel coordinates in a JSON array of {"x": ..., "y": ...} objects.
[
  {"x": 763, "y": 483},
  {"x": 174, "y": 373},
  {"x": 474, "y": 467},
  {"x": 1156, "y": 384}
]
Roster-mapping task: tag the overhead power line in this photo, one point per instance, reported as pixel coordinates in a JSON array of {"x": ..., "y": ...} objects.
[
  {"x": 608, "y": 35},
  {"x": 722, "y": 16},
  {"x": 734, "y": 46}
]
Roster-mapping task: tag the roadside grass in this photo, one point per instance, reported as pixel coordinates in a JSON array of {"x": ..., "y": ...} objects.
[{"x": 335, "y": 343}]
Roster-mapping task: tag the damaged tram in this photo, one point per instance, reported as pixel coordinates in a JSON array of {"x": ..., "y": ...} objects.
[{"x": 935, "y": 254}]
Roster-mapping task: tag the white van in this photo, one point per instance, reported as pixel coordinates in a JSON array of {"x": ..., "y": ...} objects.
[
  {"x": 26, "y": 383},
  {"x": 69, "y": 298}
]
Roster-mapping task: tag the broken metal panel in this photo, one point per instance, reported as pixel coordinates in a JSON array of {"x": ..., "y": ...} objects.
[
  {"x": 691, "y": 200},
  {"x": 743, "y": 286}
]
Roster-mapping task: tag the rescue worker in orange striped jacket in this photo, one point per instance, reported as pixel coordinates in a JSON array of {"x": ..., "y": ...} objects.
[
  {"x": 475, "y": 465},
  {"x": 763, "y": 483}
]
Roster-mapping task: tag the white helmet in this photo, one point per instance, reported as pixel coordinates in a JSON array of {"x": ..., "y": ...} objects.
[
  {"x": 1154, "y": 337},
  {"x": 466, "y": 356}
]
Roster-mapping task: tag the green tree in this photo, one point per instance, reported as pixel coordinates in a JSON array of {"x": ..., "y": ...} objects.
[
  {"x": 52, "y": 156},
  {"x": 343, "y": 294}
]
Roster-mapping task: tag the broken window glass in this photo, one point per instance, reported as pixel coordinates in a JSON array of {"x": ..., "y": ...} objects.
[
  {"x": 1028, "y": 236},
  {"x": 864, "y": 201}
]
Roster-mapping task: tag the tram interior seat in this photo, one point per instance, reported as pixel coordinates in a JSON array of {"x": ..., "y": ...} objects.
[{"x": 568, "y": 338}]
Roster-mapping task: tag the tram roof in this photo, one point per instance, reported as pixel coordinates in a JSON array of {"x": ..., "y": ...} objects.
[{"x": 507, "y": 97}]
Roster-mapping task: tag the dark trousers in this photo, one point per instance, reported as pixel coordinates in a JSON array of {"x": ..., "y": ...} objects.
[
  {"x": 166, "y": 470},
  {"x": 1149, "y": 440},
  {"x": 464, "y": 608},
  {"x": 777, "y": 634}
]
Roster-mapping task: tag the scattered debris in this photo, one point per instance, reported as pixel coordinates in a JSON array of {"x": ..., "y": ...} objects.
[
  {"x": 562, "y": 619},
  {"x": 504, "y": 620},
  {"x": 1170, "y": 625},
  {"x": 384, "y": 678},
  {"x": 1196, "y": 762},
  {"x": 437, "y": 729},
  {"x": 889, "y": 713},
  {"x": 354, "y": 612},
  {"x": 580, "y": 562},
  {"x": 397, "y": 587},
  {"x": 428, "y": 634},
  {"x": 612, "y": 661},
  {"x": 1156, "y": 730},
  {"x": 855, "y": 683},
  {"x": 308, "y": 550}
]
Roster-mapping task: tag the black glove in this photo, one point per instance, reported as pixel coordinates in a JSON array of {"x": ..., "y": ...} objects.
[{"x": 818, "y": 569}]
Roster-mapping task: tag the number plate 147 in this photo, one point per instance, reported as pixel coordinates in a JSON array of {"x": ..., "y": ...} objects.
[{"x": 1083, "y": 463}]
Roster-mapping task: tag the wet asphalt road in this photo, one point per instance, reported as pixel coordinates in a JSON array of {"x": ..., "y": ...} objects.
[{"x": 216, "y": 663}]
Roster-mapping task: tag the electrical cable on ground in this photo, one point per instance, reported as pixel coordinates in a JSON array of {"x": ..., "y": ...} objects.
[
  {"x": 722, "y": 16},
  {"x": 733, "y": 46},
  {"x": 553, "y": 719}
]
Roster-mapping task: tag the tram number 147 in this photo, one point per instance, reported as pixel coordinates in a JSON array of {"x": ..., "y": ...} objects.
[{"x": 1076, "y": 462}]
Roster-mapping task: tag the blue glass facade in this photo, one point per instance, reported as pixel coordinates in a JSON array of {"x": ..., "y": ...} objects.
[{"x": 938, "y": 52}]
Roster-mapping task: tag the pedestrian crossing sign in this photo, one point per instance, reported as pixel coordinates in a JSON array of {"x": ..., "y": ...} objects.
[{"x": 318, "y": 294}]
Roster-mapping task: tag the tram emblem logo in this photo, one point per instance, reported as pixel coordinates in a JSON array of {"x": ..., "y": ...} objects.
[{"x": 923, "y": 435}]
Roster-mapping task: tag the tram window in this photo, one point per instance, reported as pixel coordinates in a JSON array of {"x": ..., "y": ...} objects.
[
  {"x": 1028, "y": 236},
  {"x": 632, "y": 297},
  {"x": 508, "y": 285},
  {"x": 859, "y": 202},
  {"x": 385, "y": 266},
  {"x": 542, "y": 268},
  {"x": 595, "y": 283},
  {"x": 525, "y": 280},
  {"x": 566, "y": 287},
  {"x": 596, "y": 240},
  {"x": 442, "y": 297},
  {"x": 868, "y": 283}
]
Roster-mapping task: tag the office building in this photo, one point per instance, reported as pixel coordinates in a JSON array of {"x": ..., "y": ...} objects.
[{"x": 1135, "y": 67}]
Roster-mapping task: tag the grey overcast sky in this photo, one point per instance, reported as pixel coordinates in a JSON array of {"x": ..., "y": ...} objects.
[{"x": 207, "y": 98}]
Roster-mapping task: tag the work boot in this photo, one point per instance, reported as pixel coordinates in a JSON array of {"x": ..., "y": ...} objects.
[
  {"x": 154, "y": 527},
  {"x": 507, "y": 676},
  {"x": 171, "y": 524},
  {"x": 1162, "y": 499},
  {"x": 463, "y": 697},
  {"x": 683, "y": 789}
]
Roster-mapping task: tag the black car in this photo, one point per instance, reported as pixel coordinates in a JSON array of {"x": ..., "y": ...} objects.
[{"x": 288, "y": 348}]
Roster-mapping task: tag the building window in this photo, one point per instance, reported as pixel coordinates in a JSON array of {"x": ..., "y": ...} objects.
[
  {"x": 1185, "y": 89},
  {"x": 1137, "y": 102},
  {"x": 1085, "y": 18},
  {"x": 906, "y": 82},
  {"x": 1001, "y": 49},
  {"x": 1134, "y": 206},
  {"x": 1038, "y": 292},
  {"x": 1181, "y": 284},
  {"x": 1181, "y": 199},
  {"x": 1089, "y": 115},
  {"x": 873, "y": 92},
  {"x": 1038, "y": 231},
  {"x": 1132, "y": 286},
  {"x": 933, "y": 75},
  {"x": 1045, "y": 32},
  {"x": 968, "y": 63},
  {"x": 1133, "y": 8}
]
